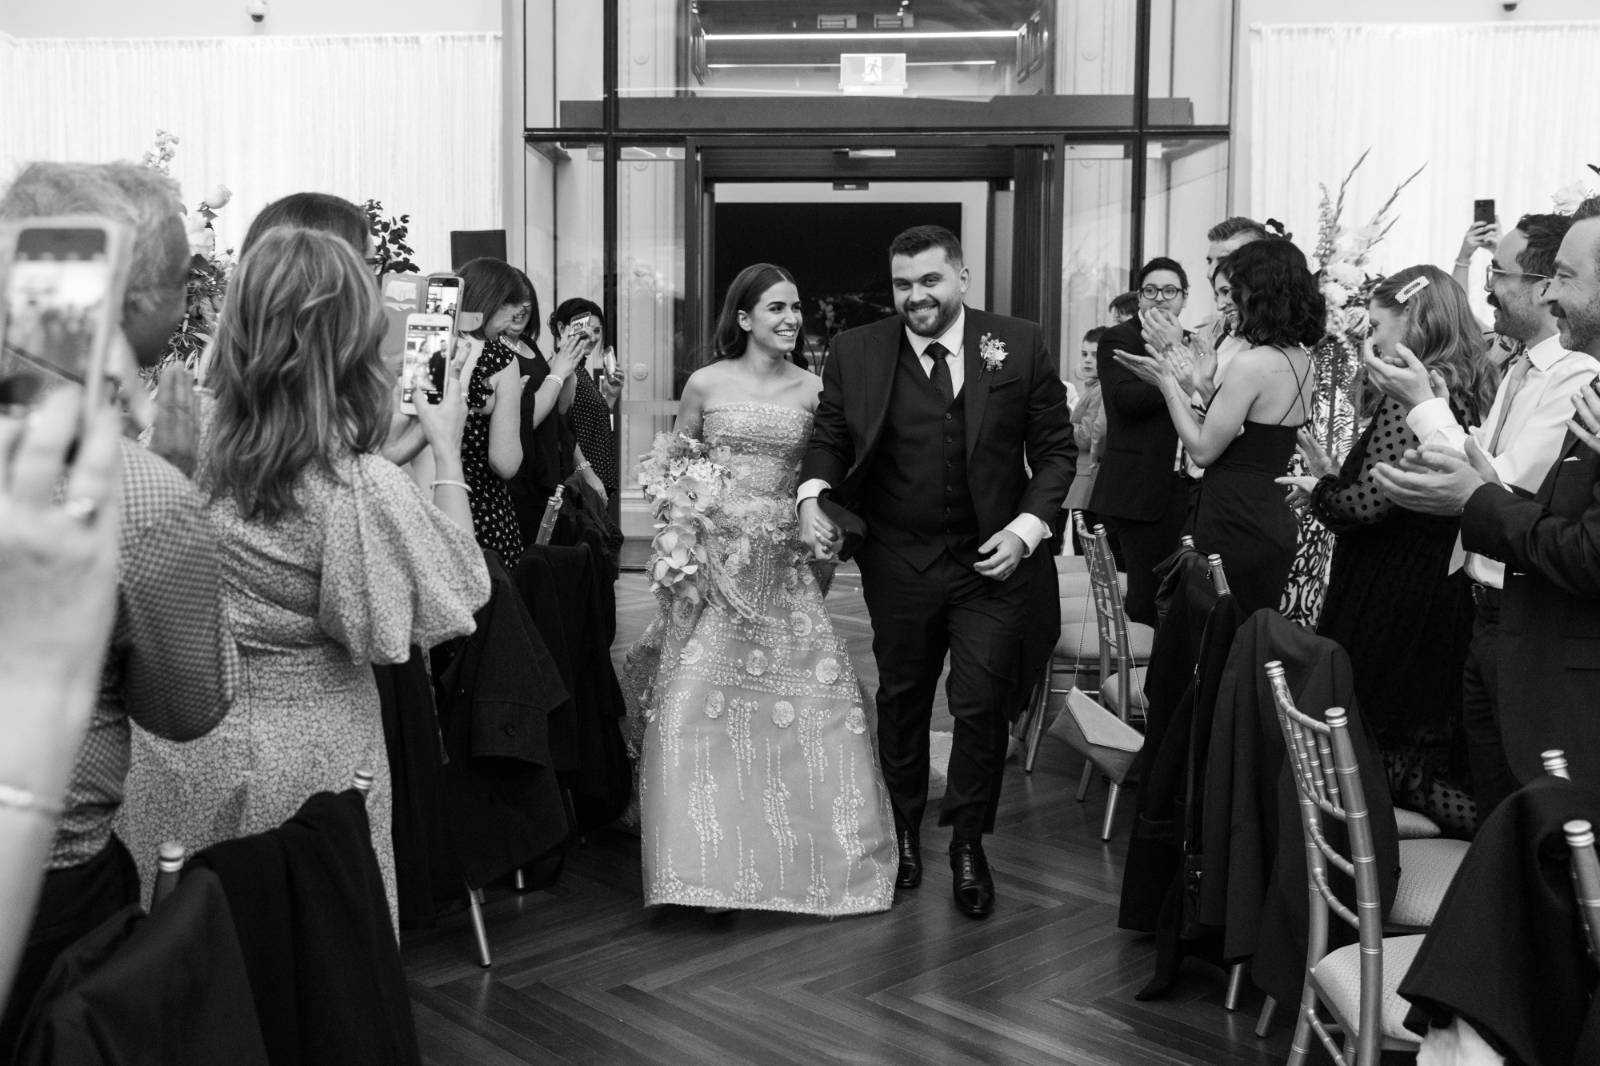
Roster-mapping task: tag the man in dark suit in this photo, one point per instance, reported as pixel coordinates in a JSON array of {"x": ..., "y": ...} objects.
[
  {"x": 1141, "y": 492},
  {"x": 1548, "y": 647},
  {"x": 947, "y": 429}
]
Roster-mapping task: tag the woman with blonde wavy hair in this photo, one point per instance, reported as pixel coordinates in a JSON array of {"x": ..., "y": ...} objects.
[
  {"x": 1392, "y": 601},
  {"x": 333, "y": 559}
]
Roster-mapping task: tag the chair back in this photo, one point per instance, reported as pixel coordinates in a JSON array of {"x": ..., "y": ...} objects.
[
  {"x": 1327, "y": 782},
  {"x": 552, "y": 511},
  {"x": 1585, "y": 880},
  {"x": 1555, "y": 763},
  {"x": 1219, "y": 576},
  {"x": 1116, "y": 648},
  {"x": 169, "y": 865}
]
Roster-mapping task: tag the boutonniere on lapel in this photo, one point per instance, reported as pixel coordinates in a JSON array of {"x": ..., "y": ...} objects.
[{"x": 992, "y": 350}]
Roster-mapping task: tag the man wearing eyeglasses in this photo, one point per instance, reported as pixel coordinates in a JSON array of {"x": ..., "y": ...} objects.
[
  {"x": 1521, "y": 437},
  {"x": 1142, "y": 491}
]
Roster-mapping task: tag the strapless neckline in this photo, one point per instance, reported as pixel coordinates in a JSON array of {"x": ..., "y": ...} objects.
[{"x": 766, "y": 405}]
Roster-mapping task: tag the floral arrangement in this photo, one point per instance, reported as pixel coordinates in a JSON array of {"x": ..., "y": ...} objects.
[
  {"x": 1342, "y": 253},
  {"x": 684, "y": 486},
  {"x": 389, "y": 238},
  {"x": 208, "y": 269}
]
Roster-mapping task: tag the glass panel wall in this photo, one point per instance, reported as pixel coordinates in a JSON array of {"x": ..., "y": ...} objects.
[
  {"x": 1096, "y": 225},
  {"x": 1191, "y": 62},
  {"x": 1186, "y": 194},
  {"x": 650, "y": 331},
  {"x": 564, "y": 63}
]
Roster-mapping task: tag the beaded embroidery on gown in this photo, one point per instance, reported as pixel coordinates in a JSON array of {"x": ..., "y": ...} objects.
[{"x": 759, "y": 783}]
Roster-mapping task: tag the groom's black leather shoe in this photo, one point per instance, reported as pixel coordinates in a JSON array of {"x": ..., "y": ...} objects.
[
  {"x": 910, "y": 848},
  {"x": 974, "y": 888}
]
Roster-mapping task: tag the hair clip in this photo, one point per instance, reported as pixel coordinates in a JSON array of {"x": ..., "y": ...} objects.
[
  {"x": 1276, "y": 229},
  {"x": 1411, "y": 288}
]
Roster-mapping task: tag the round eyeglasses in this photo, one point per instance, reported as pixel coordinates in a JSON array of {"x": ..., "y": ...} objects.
[{"x": 1161, "y": 292}]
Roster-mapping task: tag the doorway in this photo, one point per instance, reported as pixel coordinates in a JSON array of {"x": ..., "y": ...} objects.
[{"x": 835, "y": 242}]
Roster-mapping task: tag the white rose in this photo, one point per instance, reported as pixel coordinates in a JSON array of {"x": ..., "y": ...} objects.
[
  {"x": 1336, "y": 295},
  {"x": 1567, "y": 198},
  {"x": 203, "y": 242},
  {"x": 218, "y": 198}
]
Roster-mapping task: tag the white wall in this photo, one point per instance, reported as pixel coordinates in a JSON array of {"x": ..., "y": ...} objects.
[
  {"x": 218, "y": 18},
  {"x": 1399, "y": 11}
]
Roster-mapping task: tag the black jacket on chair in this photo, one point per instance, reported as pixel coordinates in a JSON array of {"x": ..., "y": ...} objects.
[
  {"x": 1549, "y": 645},
  {"x": 167, "y": 988},
  {"x": 1255, "y": 883},
  {"x": 1136, "y": 479},
  {"x": 1506, "y": 949},
  {"x": 313, "y": 924}
]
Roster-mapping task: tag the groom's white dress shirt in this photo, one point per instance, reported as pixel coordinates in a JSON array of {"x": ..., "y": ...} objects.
[
  {"x": 1535, "y": 425},
  {"x": 1029, "y": 528}
]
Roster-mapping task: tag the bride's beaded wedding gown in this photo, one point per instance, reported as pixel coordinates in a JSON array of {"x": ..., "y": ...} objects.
[{"x": 758, "y": 782}]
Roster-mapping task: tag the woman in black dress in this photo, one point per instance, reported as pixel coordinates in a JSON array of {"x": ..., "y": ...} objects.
[
  {"x": 1247, "y": 436},
  {"x": 1392, "y": 601},
  {"x": 491, "y": 447},
  {"x": 590, "y": 413}
]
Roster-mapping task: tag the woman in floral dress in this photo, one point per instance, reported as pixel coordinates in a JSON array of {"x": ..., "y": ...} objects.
[{"x": 759, "y": 781}]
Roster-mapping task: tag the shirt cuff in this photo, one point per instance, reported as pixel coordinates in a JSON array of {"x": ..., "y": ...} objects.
[
  {"x": 810, "y": 490},
  {"x": 1031, "y": 529},
  {"x": 1433, "y": 423}
]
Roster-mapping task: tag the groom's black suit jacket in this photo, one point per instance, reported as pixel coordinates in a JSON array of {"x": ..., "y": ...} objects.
[{"x": 1019, "y": 447}]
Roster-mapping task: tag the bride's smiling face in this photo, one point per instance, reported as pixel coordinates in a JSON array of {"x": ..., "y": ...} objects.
[{"x": 773, "y": 325}]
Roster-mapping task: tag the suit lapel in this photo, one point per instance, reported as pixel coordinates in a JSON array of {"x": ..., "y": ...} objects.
[
  {"x": 975, "y": 389},
  {"x": 878, "y": 381}
]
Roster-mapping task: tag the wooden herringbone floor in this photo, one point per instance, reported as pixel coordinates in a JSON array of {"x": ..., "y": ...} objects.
[{"x": 583, "y": 973}]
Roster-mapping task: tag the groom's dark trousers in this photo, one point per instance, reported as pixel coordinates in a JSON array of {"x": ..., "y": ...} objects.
[{"x": 933, "y": 480}]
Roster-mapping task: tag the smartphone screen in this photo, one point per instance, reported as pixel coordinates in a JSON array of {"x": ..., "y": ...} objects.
[
  {"x": 444, "y": 295},
  {"x": 57, "y": 289},
  {"x": 426, "y": 352}
]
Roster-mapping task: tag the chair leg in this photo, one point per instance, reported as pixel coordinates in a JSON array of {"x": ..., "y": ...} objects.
[
  {"x": 1111, "y": 810},
  {"x": 1269, "y": 1007},
  {"x": 1230, "y": 1002},
  {"x": 1083, "y": 782},
  {"x": 1035, "y": 730},
  {"x": 479, "y": 933},
  {"x": 1301, "y": 1047}
]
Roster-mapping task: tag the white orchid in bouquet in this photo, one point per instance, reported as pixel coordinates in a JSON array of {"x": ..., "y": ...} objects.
[
  {"x": 1343, "y": 253},
  {"x": 684, "y": 486}
]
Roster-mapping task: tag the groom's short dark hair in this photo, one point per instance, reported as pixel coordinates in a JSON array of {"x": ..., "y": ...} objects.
[{"x": 919, "y": 239}]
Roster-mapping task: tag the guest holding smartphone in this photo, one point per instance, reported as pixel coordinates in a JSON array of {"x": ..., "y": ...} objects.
[
  {"x": 492, "y": 445},
  {"x": 594, "y": 398}
]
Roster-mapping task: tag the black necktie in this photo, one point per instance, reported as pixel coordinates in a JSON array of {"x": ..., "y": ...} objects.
[{"x": 941, "y": 372}]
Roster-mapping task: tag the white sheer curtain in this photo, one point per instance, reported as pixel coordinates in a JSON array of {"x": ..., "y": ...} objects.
[
  {"x": 412, "y": 120},
  {"x": 1494, "y": 110}
]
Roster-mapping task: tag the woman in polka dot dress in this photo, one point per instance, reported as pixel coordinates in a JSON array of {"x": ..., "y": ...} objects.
[
  {"x": 491, "y": 445},
  {"x": 1392, "y": 602}
]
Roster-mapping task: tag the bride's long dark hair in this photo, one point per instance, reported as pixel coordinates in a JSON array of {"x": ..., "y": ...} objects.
[{"x": 728, "y": 340}]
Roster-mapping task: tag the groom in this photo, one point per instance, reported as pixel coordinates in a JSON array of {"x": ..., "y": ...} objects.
[{"x": 928, "y": 427}]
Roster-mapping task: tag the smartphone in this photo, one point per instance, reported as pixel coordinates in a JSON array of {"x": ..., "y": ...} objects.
[
  {"x": 443, "y": 296},
  {"x": 610, "y": 362},
  {"x": 61, "y": 289},
  {"x": 428, "y": 343},
  {"x": 1483, "y": 210}
]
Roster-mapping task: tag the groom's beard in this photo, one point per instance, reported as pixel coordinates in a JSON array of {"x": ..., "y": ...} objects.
[{"x": 929, "y": 318}]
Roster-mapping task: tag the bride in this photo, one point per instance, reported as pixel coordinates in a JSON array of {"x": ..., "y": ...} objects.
[{"x": 758, "y": 781}]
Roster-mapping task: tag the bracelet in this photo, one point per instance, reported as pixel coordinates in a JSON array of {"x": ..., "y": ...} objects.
[
  {"x": 1464, "y": 262},
  {"x": 22, "y": 800},
  {"x": 446, "y": 481},
  {"x": 585, "y": 465}
]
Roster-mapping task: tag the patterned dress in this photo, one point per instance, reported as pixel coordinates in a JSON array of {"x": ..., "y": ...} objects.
[
  {"x": 366, "y": 569},
  {"x": 759, "y": 783},
  {"x": 493, "y": 516}
]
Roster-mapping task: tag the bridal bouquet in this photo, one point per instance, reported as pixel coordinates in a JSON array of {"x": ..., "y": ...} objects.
[{"x": 684, "y": 486}]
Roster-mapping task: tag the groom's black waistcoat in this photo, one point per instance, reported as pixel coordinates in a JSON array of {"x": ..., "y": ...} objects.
[{"x": 923, "y": 445}]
